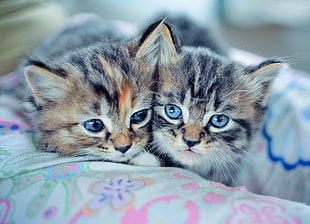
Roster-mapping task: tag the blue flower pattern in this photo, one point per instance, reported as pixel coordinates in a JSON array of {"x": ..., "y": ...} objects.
[
  {"x": 118, "y": 193},
  {"x": 287, "y": 126}
]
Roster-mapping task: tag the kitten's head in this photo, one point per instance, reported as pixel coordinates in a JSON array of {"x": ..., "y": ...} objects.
[
  {"x": 208, "y": 107},
  {"x": 94, "y": 101}
]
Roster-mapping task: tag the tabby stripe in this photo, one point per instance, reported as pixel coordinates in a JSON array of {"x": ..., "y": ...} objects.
[
  {"x": 101, "y": 90},
  {"x": 159, "y": 121},
  {"x": 212, "y": 88},
  {"x": 80, "y": 64},
  {"x": 125, "y": 67},
  {"x": 230, "y": 138},
  {"x": 246, "y": 125},
  {"x": 96, "y": 65},
  {"x": 66, "y": 126},
  {"x": 31, "y": 100},
  {"x": 57, "y": 71},
  {"x": 231, "y": 135},
  {"x": 217, "y": 101}
]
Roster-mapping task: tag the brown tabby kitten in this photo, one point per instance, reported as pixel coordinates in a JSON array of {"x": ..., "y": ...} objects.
[
  {"x": 90, "y": 93},
  {"x": 208, "y": 108}
]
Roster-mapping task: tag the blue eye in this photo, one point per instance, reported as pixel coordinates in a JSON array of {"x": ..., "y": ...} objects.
[
  {"x": 139, "y": 116},
  {"x": 94, "y": 125},
  {"x": 173, "y": 111},
  {"x": 219, "y": 120}
]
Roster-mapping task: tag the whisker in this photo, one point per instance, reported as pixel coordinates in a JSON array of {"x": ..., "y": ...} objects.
[
  {"x": 234, "y": 165},
  {"x": 228, "y": 166},
  {"x": 219, "y": 171},
  {"x": 245, "y": 156}
]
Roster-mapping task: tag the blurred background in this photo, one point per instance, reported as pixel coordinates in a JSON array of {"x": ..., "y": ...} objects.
[{"x": 264, "y": 27}]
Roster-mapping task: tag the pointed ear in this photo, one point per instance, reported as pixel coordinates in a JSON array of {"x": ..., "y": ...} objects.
[
  {"x": 158, "y": 45},
  {"x": 261, "y": 78},
  {"x": 45, "y": 85}
]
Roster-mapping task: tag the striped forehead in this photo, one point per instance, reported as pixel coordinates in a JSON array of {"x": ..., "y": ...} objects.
[
  {"x": 199, "y": 95},
  {"x": 125, "y": 100}
]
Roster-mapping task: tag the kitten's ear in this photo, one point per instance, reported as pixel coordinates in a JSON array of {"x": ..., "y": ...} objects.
[
  {"x": 45, "y": 84},
  {"x": 158, "y": 45},
  {"x": 262, "y": 76}
]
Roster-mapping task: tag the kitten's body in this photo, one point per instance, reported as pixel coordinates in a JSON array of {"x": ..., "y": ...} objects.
[
  {"x": 195, "y": 35},
  {"x": 93, "y": 97},
  {"x": 207, "y": 108},
  {"x": 90, "y": 93}
]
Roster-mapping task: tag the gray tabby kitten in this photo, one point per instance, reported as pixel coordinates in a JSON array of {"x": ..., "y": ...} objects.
[
  {"x": 207, "y": 107},
  {"x": 90, "y": 93}
]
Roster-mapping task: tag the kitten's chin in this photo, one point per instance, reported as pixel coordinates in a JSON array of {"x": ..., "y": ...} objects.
[
  {"x": 187, "y": 157},
  {"x": 188, "y": 152},
  {"x": 113, "y": 155},
  {"x": 124, "y": 158},
  {"x": 119, "y": 159}
]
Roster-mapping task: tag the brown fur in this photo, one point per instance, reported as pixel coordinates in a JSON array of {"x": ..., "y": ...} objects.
[{"x": 96, "y": 84}]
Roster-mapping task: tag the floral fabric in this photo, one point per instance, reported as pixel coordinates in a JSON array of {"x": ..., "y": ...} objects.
[
  {"x": 279, "y": 160},
  {"x": 40, "y": 187}
]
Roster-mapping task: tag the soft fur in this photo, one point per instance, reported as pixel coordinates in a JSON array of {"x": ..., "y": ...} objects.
[
  {"x": 85, "y": 72},
  {"x": 87, "y": 76},
  {"x": 201, "y": 84}
]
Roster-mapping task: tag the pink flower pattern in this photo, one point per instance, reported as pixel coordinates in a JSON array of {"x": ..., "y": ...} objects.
[{"x": 259, "y": 212}]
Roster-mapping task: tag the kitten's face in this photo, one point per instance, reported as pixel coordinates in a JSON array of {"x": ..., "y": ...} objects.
[
  {"x": 202, "y": 115},
  {"x": 94, "y": 102},
  {"x": 207, "y": 109}
]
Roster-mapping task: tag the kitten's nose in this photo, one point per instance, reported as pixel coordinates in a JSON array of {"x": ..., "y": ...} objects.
[
  {"x": 123, "y": 149},
  {"x": 190, "y": 143}
]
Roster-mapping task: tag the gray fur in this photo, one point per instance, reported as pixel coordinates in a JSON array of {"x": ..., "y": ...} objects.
[{"x": 202, "y": 84}]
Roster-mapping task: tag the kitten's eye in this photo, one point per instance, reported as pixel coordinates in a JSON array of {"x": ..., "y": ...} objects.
[
  {"x": 94, "y": 125},
  {"x": 219, "y": 120},
  {"x": 138, "y": 117},
  {"x": 173, "y": 111}
]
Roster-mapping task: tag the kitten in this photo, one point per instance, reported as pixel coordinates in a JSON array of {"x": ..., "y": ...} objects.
[
  {"x": 207, "y": 107},
  {"x": 90, "y": 93},
  {"x": 194, "y": 34}
]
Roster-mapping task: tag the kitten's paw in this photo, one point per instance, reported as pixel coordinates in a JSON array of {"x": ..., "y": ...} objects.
[{"x": 145, "y": 159}]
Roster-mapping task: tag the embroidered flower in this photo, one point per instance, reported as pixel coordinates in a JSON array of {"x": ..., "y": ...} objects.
[
  {"x": 260, "y": 211},
  {"x": 287, "y": 126},
  {"x": 166, "y": 209},
  {"x": 118, "y": 193},
  {"x": 63, "y": 171},
  {"x": 8, "y": 126},
  {"x": 266, "y": 214}
]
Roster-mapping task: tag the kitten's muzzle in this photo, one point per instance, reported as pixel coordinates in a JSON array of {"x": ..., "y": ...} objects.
[
  {"x": 191, "y": 143},
  {"x": 121, "y": 141},
  {"x": 192, "y": 135}
]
